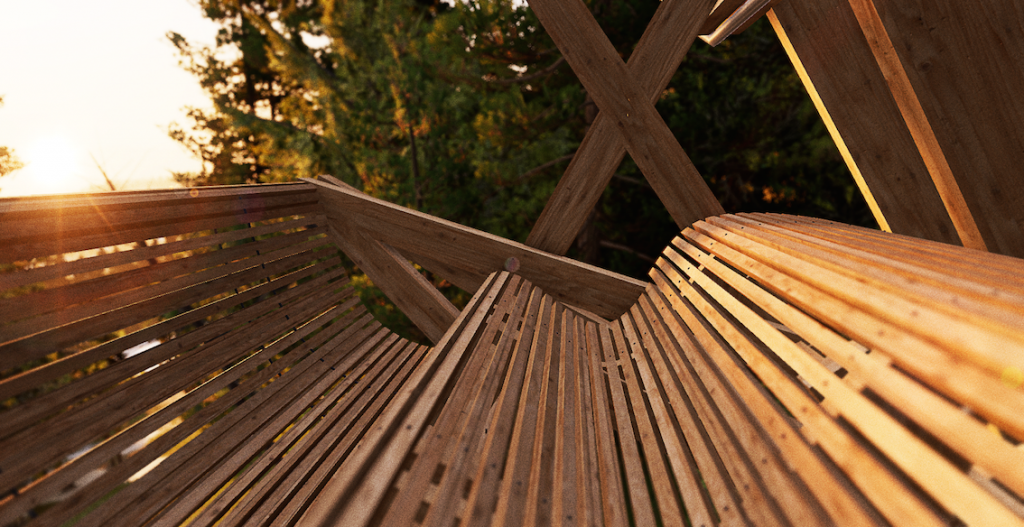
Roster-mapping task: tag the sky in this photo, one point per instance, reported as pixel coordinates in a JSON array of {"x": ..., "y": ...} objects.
[{"x": 98, "y": 79}]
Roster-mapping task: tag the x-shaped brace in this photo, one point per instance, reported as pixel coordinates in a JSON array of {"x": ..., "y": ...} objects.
[{"x": 628, "y": 120}]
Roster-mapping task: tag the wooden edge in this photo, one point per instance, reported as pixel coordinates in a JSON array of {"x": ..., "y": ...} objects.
[
  {"x": 918, "y": 124},
  {"x": 479, "y": 253},
  {"x": 399, "y": 280},
  {"x": 49, "y": 203}
]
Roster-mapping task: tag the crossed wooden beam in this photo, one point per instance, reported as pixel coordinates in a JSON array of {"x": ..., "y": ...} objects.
[{"x": 628, "y": 120}]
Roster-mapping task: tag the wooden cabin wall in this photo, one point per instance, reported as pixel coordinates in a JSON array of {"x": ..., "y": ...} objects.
[{"x": 949, "y": 69}]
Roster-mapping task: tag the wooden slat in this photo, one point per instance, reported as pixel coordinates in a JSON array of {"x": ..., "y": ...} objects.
[
  {"x": 133, "y": 396},
  {"x": 153, "y": 280},
  {"x": 862, "y": 117},
  {"x": 479, "y": 254},
  {"x": 484, "y": 495},
  {"x": 657, "y": 56},
  {"x": 28, "y": 380},
  {"x": 118, "y": 317},
  {"x": 515, "y": 481},
  {"x": 875, "y": 481},
  {"x": 944, "y": 482},
  {"x": 461, "y": 408},
  {"x": 83, "y": 266},
  {"x": 993, "y": 346},
  {"x": 348, "y": 499},
  {"x": 954, "y": 59},
  {"x": 944, "y": 420},
  {"x": 397, "y": 279},
  {"x": 82, "y": 241},
  {"x": 149, "y": 494}
]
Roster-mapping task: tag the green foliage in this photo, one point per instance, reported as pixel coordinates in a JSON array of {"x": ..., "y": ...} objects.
[{"x": 468, "y": 112}]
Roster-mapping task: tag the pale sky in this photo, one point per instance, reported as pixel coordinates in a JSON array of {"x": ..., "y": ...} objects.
[{"x": 99, "y": 78}]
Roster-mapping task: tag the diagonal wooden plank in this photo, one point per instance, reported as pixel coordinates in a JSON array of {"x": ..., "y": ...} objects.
[
  {"x": 656, "y": 58},
  {"x": 626, "y": 112},
  {"x": 475, "y": 254},
  {"x": 398, "y": 279}
]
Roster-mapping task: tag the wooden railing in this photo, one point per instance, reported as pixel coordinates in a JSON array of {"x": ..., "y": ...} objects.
[{"x": 198, "y": 358}]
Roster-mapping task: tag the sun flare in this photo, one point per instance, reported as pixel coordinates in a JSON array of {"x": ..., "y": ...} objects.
[{"x": 55, "y": 164}]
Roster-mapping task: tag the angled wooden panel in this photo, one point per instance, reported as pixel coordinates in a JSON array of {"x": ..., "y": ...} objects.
[
  {"x": 476, "y": 254},
  {"x": 862, "y": 117},
  {"x": 656, "y": 58},
  {"x": 965, "y": 64}
]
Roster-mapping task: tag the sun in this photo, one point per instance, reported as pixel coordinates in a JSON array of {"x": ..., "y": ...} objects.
[{"x": 55, "y": 165}]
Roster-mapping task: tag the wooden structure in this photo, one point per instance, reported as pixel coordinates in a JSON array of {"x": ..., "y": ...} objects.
[{"x": 198, "y": 356}]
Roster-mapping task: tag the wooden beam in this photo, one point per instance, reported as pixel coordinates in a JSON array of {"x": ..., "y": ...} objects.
[
  {"x": 646, "y": 136},
  {"x": 475, "y": 254},
  {"x": 917, "y": 122},
  {"x": 656, "y": 58},
  {"x": 862, "y": 117},
  {"x": 397, "y": 279},
  {"x": 960, "y": 87}
]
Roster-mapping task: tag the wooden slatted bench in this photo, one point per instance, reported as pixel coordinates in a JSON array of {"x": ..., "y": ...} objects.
[{"x": 173, "y": 359}]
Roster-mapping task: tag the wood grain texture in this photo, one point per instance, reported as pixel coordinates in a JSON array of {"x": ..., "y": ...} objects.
[
  {"x": 918, "y": 123},
  {"x": 962, "y": 65},
  {"x": 657, "y": 56},
  {"x": 477, "y": 254},
  {"x": 398, "y": 280},
  {"x": 862, "y": 117}
]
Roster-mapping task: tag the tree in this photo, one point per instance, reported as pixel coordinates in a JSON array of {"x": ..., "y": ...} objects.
[{"x": 8, "y": 161}]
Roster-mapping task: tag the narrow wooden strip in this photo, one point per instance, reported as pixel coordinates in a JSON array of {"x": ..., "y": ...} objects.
[
  {"x": 917, "y": 122},
  {"x": 115, "y": 260},
  {"x": 538, "y": 506},
  {"x": 41, "y": 206},
  {"x": 678, "y": 455},
  {"x": 605, "y": 293},
  {"x": 348, "y": 499},
  {"x": 467, "y": 442},
  {"x": 483, "y": 497},
  {"x": 456, "y": 412},
  {"x": 657, "y": 56},
  {"x": 413, "y": 294},
  {"x": 564, "y": 491},
  {"x": 133, "y": 396},
  {"x": 247, "y": 443},
  {"x": 515, "y": 481},
  {"x": 33, "y": 347},
  {"x": 664, "y": 494},
  {"x": 931, "y": 471},
  {"x": 71, "y": 242},
  {"x": 589, "y": 505},
  {"x": 944, "y": 420},
  {"x": 636, "y": 484},
  {"x": 358, "y": 418},
  {"x": 85, "y": 221},
  {"x": 153, "y": 280},
  {"x": 721, "y": 394},
  {"x": 722, "y": 10},
  {"x": 611, "y": 495},
  {"x": 711, "y": 470}
]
